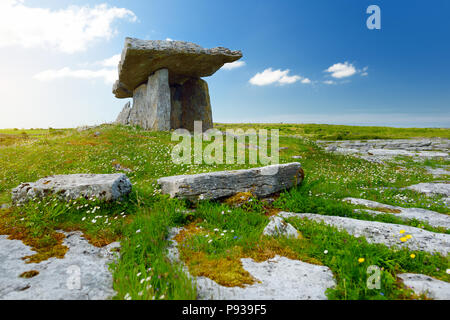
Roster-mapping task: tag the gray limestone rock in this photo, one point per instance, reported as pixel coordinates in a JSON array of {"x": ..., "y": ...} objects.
[
  {"x": 124, "y": 115},
  {"x": 433, "y": 218},
  {"x": 380, "y": 232},
  {"x": 81, "y": 275},
  {"x": 277, "y": 227},
  {"x": 184, "y": 60},
  {"x": 279, "y": 278},
  {"x": 106, "y": 187},
  {"x": 432, "y": 188},
  {"x": 196, "y": 105},
  {"x": 423, "y": 284},
  {"x": 151, "y": 103},
  {"x": 214, "y": 185}
]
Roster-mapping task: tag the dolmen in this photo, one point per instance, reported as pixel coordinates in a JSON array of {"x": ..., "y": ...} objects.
[
  {"x": 164, "y": 80},
  {"x": 260, "y": 182},
  {"x": 104, "y": 187}
]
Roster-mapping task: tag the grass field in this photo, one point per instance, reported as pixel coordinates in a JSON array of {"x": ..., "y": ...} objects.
[
  {"x": 341, "y": 132},
  {"x": 217, "y": 234}
]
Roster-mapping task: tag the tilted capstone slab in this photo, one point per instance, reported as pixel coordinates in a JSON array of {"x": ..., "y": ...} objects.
[
  {"x": 106, "y": 187},
  {"x": 260, "y": 182}
]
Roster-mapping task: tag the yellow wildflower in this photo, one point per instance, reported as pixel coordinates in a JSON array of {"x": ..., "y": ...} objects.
[
  {"x": 408, "y": 236},
  {"x": 402, "y": 231},
  {"x": 361, "y": 260},
  {"x": 412, "y": 256},
  {"x": 403, "y": 239}
]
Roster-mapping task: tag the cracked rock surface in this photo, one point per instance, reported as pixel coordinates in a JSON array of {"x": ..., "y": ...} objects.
[
  {"x": 385, "y": 233},
  {"x": 279, "y": 278},
  {"x": 81, "y": 275},
  {"x": 423, "y": 284},
  {"x": 433, "y": 218}
]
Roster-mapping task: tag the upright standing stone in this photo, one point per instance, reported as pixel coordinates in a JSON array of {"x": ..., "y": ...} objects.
[
  {"x": 124, "y": 115},
  {"x": 158, "y": 92},
  {"x": 190, "y": 103},
  {"x": 196, "y": 104},
  {"x": 151, "y": 103}
]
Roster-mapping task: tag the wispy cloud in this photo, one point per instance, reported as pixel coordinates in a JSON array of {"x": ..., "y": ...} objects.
[
  {"x": 281, "y": 77},
  {"x": 107, "y": 75},
  {"x": 111, "y": 62},
  {"x": 68, "y": 30},
  {"x": 233, "y": 65}
]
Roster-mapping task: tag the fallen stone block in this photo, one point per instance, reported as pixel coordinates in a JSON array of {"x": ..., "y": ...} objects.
[
  {"x": 106, "y": 187},
  {"x": 423, "y": 284},
  {"x": 214, "y": 185},
  {"x": 277, "y": 227}
]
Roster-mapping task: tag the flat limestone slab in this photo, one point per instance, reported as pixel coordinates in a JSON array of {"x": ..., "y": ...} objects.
[
  {"x": 279, "y": 278},
  {"x": 385, "y": 233},
  {"x": 433, "y": 218},
  {"x": 214, "y": 185},
  {"x": 106, "y": 187},
  {"x": 423, "y": 284},
  {"x": 431, "y": 188},
  {"x": 184, "y": 60},
  {"x": 56, "y": 279}
]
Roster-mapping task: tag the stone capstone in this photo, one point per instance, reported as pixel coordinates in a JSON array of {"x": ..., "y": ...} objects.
[
  {"x": 214, "y": 185},
  {"x": 106, "y": 187},
  {"x": 184, "y": 60}
]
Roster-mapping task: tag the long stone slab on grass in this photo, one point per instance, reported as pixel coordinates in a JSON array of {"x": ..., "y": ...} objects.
[
  {"x": 433, "y": 218},
  {"x": 385, "y": 233},
  {"x": 214, "y": 185},
  {"x": 106, "y": 187},
  {"x": 423, "y": 284}
]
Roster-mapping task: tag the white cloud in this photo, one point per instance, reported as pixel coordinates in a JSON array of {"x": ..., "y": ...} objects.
[
  {"x": 109, "y": 76},
  {"x": 169, "y": 39},
  {"x": 306, "y": 81},
  {"x": 329, "y": 82},
  {"x": 68, "y": 30},
  {"x": 341, "y": 70},
  {"x": 270, "y": 76},
  {"x": 111, "y": 62},
  {"x": 233, "y": 65}
]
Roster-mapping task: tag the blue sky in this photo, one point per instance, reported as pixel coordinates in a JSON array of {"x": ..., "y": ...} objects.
[{"x": 322, "y": 63}]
